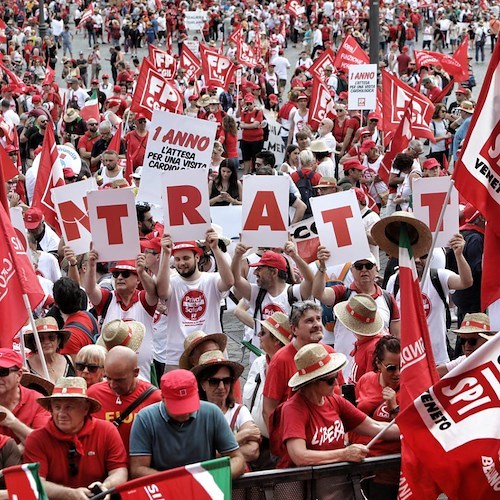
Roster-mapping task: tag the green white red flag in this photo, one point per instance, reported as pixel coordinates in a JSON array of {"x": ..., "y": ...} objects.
[
  {"x": 91, "y": 108},
  {"x": 200, "y": 481},
  {"x": 23, "y": 482}
]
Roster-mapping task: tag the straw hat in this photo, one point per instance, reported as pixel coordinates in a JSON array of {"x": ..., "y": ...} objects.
[
  {"x": 37, "y": 383},
  {"x": 203, "y": 101},
  {"x": 216, "y": 358},
  {"x": 386, "y": 234},
  {"x": 319, "y": 146},
  {"x": 193, "y": 340},
  {"x": 467, "y": 106},
  {"x": 46, "y": 325},
  {"x": 314, "y": 362},
  {"x": 475, "y": 323},
  {"x": 359, "y": 314},
  {"x": 71, "y": 115},
  {"x": 70, "y": 387},
  {"x": 279, "y": 325},
  {"x": 119, "y": 332}
]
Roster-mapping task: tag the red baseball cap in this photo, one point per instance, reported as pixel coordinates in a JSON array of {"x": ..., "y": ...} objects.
[
  {"x": 123, "y": 265},
  {"x": 373, "y": 115},
  {"x": 354, "y": 163},
  {"x": 32, "y": 218},
  {"x": 105, "y": 75},
  {"x": 364, "y": 131},
  {"x": 68, "y": 173},
  {"x": 36, "y": 99},
  {"x": 117, "y": 88},
  {"x": 367, "y": 145},
  {"x": 179, "y": 389},
  {"x": 249, "y": 98},
  {"x": 151, "y": 244},
  {"x": 430, "y": 163},
  {"x": 343, "y": 95},
  {"x": 271, "y": 259},
  {"x": 462, "y": 90},
  {"x": 10, "y": 358},
  {"x": 187, "y": 245}
]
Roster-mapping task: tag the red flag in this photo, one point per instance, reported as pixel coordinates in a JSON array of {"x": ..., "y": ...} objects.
[
  {"x": 455, "y": 426},
  {"x": 89, "y": 12},
  {"x": 14, "y": 79},
  {"x": 164, "y": 62},
  {"x": 153, "y": 91},
  {"x": 350, "y": 53},
  {"x": 236, "y": 36},
  {"x": 8, "y": 168},
  {"x": 246, "y": 56},
  {"x": 3, "y": 188},
  {"x": 217, "y": 68},
  {"x": 3, "y": 36},
  {"x": 23, "y": 481},
  {"x": 327, "y": 58},
  {"x": 115, "y": 142},
  {"x": 190, "y": 63},
  {"x": 18, "y": 278},
  {"x": 295, "y": 8},
  {"x": 50, "y": 76},
  {"x": 444, "y": 92},
  {"x": 50, "y": 175},
  {"x": 461, "y": 55},
  {"x": 396, "y": 97},
  {"x": 256, "y": 46},
  {"x": 321, "y": 104}
]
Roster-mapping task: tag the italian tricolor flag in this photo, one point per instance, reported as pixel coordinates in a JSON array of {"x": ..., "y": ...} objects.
[
  {"x": 91, "y": 108},
  {"x": 23, "y": 482},
  {"x": 204, "y": 480}
]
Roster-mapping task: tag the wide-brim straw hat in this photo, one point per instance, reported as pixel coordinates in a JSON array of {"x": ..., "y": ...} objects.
[
  {"x": 70, "y": 387},
  {"x": 475, "y": 323},
  {"x": 314, "y": 362},
  {"x": 216, "y": 358},
  {"x": 386, "y": 234},
  {"x": 319, "y": 146},
  {"x": 279, "y": 326},
  {"x": 46, "y": 325},
  {"x": 193, "y": 340},
  {"x": 71, "y": 115},
  {"x": 37, "y": 383},
  {"x": 118, "y": 332},
  {"x": 359, "y": 314}
]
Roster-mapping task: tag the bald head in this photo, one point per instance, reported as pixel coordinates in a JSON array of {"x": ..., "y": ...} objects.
[
  {"x": 121, "y": 371},
  {"x": 121, "y": 356}
]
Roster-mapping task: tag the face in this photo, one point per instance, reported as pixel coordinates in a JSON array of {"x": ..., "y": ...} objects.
[
  {"x": 10, "y": 381},
  {"x": 121, "y": 379},
  {"x": 390, "y": 369},
  {"x": 415, "y": 152},
  {"x": 471, "y": 342},
  {"x": 92, "y": 126},
  {"x": 356, "y": 174},
  {"x": 147, "y": 224},
  {"x": 432, "y": 172},
  {"x": 265, "y": 276},
  {"x": 125, "y": 280},
  {"x": 225, "y": 173},
  {"x": 325, "y": 386},
  {"x": 42, "y": 122},
  {"x": 364, "y": 275},
  {"x": 267, "y": 341},
  {"x": 89, "y": 369},
  {"x": 303, "y": 143},
  {"x": 309, "y": 330},
  {"x": 141, "y": 124},
  {"x": 69, "y": 414},
  {"x": 49, "y": 341},
  {"x": 294, "y": 156},
  {"x": 110, "y": 162},
  {"x": 326, "y": 190},
  {"x": 186, "y": 262},
  {"x": 218, "y": 386}
]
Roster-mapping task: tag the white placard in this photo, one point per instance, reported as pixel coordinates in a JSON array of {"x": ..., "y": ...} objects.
[
  {"x": 175, "y": 142},
  {"x": 265, "y": 210},
  {"x": 70, "y": 203},
  {"x": 229, "y": 218},
  {"x": 187, "y": 205},
  {"x": 275, "y": 142},
  {"x": 340, "y": 227},
  {"x": 113, "y": 224},
  {"x": 194, "y": 19},
  {"x": 17, "y": 220},
  {"x": 194, "y": 45},
  {"x": 362, "y": 86},
  {"x": 428, "y": 197}
]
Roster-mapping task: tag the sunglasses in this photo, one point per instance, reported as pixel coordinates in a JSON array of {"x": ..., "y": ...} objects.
[
  {"x": 73, "y": 461},
  {"x": 90, "y": 367},
  {"x": 125, "y": 274},
  {"x": 472, "y": 342},
  {"x": 391, "y": 368},
  {"x": 215, "y": 382},
  {"x": 5, "y": 372},
  {"x": 366, "y": 265},
  {"x": 330, "y": 381},
  {"x": 141, "y": 121},
  {"x": 48, "y": 336}
]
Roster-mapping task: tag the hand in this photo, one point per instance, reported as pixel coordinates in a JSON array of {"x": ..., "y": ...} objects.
[
  {"x": 166, "y": 244},
  {"x": 389, "y": 396},
  {"x": 14, "y": 199},
  {"x": 323, "y": 254},
  {"x": 457, "y": 244},
  {"x": 78, "y": 494},
  {"x": 93, "y": 256},
  {"x": 240, "y": 250},
  {"x": 140, "y": 263},
  {"x": 211, "y": 239},
  {"x": 356, "y": 453},
  {"x": 290, "y": 249},
  {"x": 10, "y": 418},
  {"x": 249, "y": 433},
  {"x": 69, "y": 255}
]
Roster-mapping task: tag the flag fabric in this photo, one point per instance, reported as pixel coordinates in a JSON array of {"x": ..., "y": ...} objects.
[
  {"x": 218, "y": 69},
  {"x": 257, "y": 49},
  {"x": 236, "y": 36},
  {"x": 204, "y": 480},
  {"x": 295, "y": 8},
  {"x": 8, "y": 168},
  {"x": 3, "y": 36},
  {"x": 462, "y": 56},
  {"x": 50, "y": 76},
  {"x": 349, "y": 53},
  {"x": 445, "y": 91},
  {"x": 23, "y": 481},
  {"x": 246, "y": 56},
  {"x": 418, "y": 369},
  {"x": 190, "y": 63},
  {"x": 115, "y": 142},
  {"x": 18, "y": 278},
  {"x": 3, "y": 166},
  {"x": 91, "y": 108},
  {"x": 50, "y": 175},
  {"x": 14, "y": 80},
  {"x": 455, "y": 423},
  {"x": 164, "y": 62},
  {"x": 89, "y": 12},
  {"x": 327, "y": 58},
  {"x": 321, "y": 104}
]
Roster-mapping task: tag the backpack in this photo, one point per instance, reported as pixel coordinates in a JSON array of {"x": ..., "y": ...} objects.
[
  {"x": 260, "y": 298},
  {"x": 91, "y": 334},
  {"x": 327, "y": 315},
  {"x": 306, "y": 190}
]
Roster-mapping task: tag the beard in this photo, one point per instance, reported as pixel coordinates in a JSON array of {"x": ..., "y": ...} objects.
[{"x": 188, "y": 272}]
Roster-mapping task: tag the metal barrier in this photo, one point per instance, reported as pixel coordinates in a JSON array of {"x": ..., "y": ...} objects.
[{"x": 301, "y": 483}]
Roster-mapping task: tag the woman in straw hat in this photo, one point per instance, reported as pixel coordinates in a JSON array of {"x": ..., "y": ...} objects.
[
  {"x": 216, "y": 376},
  {"x": 75, "y": 450},
  {"x": 314, "y": 421},
  {"x": 52, "y": 339},
  {"x": 472, "y": 334}
]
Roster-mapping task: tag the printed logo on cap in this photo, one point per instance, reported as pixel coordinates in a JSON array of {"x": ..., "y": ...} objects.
[{"x": 193, "y": 305}]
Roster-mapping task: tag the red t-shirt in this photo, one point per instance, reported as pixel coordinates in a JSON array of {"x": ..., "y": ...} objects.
[
  {"x": 87, "y": 142},
  {"x": 136, "y": 147},
  {"x": 111, "y": 410},
  {"x": 230, "y": 142},
  {"x": 322, "y": 427},
  {"x": 434, "y": 94},
  {"x": 252, "y": 134},
  {"x": 28, "y": 411},
  {"x": 102, "y": 451},
  {"x": 286, "y": 109},
  {"x": 362, "y": 357},
  {"x": 78, "y": 337}
]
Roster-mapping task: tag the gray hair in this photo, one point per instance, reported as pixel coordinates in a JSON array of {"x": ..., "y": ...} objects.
[
  {"x": 300, "y": 308},
  {"x": 306, "y": 158},
  {"x": 104, "y": 126},
  {"x": 416, "y": 144}
]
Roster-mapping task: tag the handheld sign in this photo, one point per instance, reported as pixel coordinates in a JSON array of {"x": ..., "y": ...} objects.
[
  {"x": 340, "y": 227},
  {"x": 362, "y": 86},
  {"x": 113, "y": 224},
  {"x": 265, "y": 210},
  {"x": 179, "y": 143},
  {"x": 16, "y": 218},
  {"x": 70, "y": 202},
  {"x": 428, "y": 198},
  {"x": 187, "y": 205}
]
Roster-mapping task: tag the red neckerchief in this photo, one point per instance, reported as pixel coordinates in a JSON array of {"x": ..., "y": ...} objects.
[{"x": 87, "y": 429}]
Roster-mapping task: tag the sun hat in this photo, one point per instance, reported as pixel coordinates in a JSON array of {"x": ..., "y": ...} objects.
[
  {"x": 216, "y": 358},
  {"x": 314, "y": 362},
  {"x": 37, "y": 383},
  {"x": 45, "y": 325},
  {"x": 359, "y": 314},
  {"x": 10, "y": 358},
  {"x": 467, "y": 106},
  {"x": 118, "y": 332},
  {"x": 279, "y": 326},
  {"x": 179, "y": 389},
  {"x": 71, "y": 115},
  {"x": 196, "y": 338},
  {"x": 371, "y": 258},
  {"x": 319, "y": 146},
  {"x": 327, "y": 182},
  {"x": 220, "y": 234},
  {"x": 475, "y": 323},
  {"x": 385, "y": 232},
  {"x": 271, "y": 259},
  {"x": 214, "y": 100},
  {"x": 70, "y": 387},
  {"x": 187, "y": 245}
]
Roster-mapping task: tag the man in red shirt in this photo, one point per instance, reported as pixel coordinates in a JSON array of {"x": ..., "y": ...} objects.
[
  {"x": 136, "y": 140},
  {"x": 120, "y": 389},
  {"x": 433, "y": 91},
  {"x": 252, "y": 137},
  {"x": 87, "y": 140},
  {"x": 403, "y": 60}
]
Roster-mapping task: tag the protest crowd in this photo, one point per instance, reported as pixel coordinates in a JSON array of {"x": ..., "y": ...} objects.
[{"x": 136, "y": 224}]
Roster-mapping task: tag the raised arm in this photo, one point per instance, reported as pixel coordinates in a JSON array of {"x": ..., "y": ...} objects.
[
  {"x": 304, "y": 269},
  {"x": 147, "y": 281},
  {"x": 324, "y": 294},
  {"x": 464, "y": 278},
  {"x": 241, "y": 284},
  {"x": 226, "y": 276},
  {"x": 163, "y": 279},
  {"x": 89, "y": 279}
]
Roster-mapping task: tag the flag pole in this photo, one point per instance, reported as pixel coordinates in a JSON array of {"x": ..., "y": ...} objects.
[
  {"x": 381, "y": 433},
  {"x": 35, "y": 336},
  {"x": 436, "y": 232}
]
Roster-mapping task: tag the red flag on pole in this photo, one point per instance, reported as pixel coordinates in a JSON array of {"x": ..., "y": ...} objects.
[
  {"x": 349, "y": 53},
  {"x": 190, "y": 63},
  {"x": 327, "y": 58},
  {"x": 321, "y": 104},
  {"x": 115, "y": 142},
  {"x": 164, "y": 62},
  {"x": 217, "y": 68},
  {"x": 50, "y": 175}
]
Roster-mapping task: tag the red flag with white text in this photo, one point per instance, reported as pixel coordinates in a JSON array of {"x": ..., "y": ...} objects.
[
  {"x": 50, "y": 175},
  {"x": 326, "y": 58},
  {"x": 246, "y": 56},
  {"x": 455, "y": 425},
  {"x": 217, "y": 68},
  {"x": 321, "y": 104},
  {"x": 3, "y": 36},
  {"x": 153, "y": 91},
  {"x": 349, "y": 53},
  {"x": 295, "y": 8},
  {"x": 190, "y": 63},
  {"x": 164, "y": 62}
]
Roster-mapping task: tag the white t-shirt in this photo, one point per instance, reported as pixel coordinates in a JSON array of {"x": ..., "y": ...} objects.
[
  {"x": 48, "y": 266},
  {"x": 242, "y": 418},
  {"x": 258, "y": 368}
]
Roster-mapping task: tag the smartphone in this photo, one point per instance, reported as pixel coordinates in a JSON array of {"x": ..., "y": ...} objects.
[{"x": 348, "y": 393}]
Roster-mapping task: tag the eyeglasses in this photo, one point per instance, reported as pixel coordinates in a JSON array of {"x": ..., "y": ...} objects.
[
  {"x": 391, "y": 368},
  {"x": 359, "y": 266},
  {"x": 5, "y": 372},
  {"x": 215, "y": 382},
  {"x": 472, "y": 342},
  {"x": 125, "y": 274},
  {"x": 330, "y": 381},
  {"x": 90, "y": 367},
  {"x": 73, "y": 461},
  {"x": 48, "y": 336}
]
